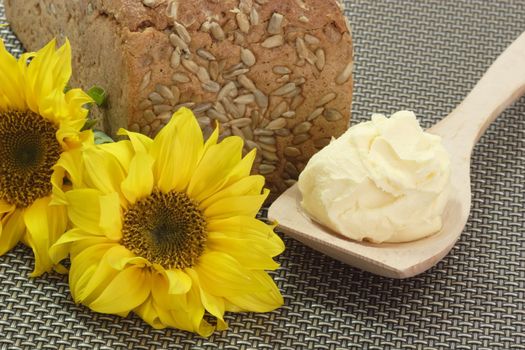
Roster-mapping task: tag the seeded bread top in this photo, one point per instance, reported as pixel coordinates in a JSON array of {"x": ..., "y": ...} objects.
[
  {"x": 137, "y": 15},
  {"x": 134, "y": 15},
  {"x": 212, "y": 32},
  {"x": 275, "y": 72}
]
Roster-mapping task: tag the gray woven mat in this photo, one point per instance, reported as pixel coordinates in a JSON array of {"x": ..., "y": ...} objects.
[{"x": 420, "y": 55}]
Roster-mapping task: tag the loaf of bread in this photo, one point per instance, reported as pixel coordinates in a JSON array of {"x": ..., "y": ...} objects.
[{"x": 276, "y": 72}]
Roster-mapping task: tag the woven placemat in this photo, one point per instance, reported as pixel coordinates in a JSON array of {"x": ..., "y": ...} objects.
[{"x": 419, "y": 55}]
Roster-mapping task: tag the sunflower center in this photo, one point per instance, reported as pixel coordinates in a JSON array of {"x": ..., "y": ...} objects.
[
  {"x": 165, "y": 228},
  {"x": 28, "y": 151}
]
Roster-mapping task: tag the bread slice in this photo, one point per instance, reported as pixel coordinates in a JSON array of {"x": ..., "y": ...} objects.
[{"x": 276, "y": 72}]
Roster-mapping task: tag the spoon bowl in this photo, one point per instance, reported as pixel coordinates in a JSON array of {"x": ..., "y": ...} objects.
[{"x": 500, "y": 86}]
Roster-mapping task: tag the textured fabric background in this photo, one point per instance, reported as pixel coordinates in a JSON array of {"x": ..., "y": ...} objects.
[{"x": 419, "y": 55}]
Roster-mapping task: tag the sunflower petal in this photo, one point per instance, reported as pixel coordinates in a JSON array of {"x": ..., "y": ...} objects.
[
  {"x": 139, "y": 182},
  {"x": 179, "y": 281},
  {"x": 248, "y": 252},
  {"x": 60, "y": 249},
  {"x": 251, "y": 185},
  {"x": 47, "y": 75},
  {"x": 12, "y": 229},
  {"x": 213, "y": 304},
  {"x": 72, "y": 164},
  {"x": 83, "y": 265},
  {"x": 44, "y": 224},
  {"x": 76, "y": 99},
  {"x": 212, "y": 140},
  {"x": 120, "y": 257},
  {"x": 121, "y": 151},
  {"x": 126, "y": 291},
  {"x": 57, "y": 66},
  {"x": 242, "y": 169},
  {"x": 102, "y": 170},
  {"x": 68, "y": 134},
  {"x": 214, "y": 168},
  {"x": 148, "y": 312},
  {"x": 6, "y": 207},
  {"x": 84, "y": 209},
  {"x": 41, "y": 81},
  {"x": 259, "y": 302},
  {"x": 236, "y": 206},
  {"x": 113, "y": 261},
  {"x": 163, "y": 299},
  {"x": 195, "y": 310},
  {"x": 11, "y": 92},
  {"x": 247, "y": 224},
  {"x": 228, "y": 306},
  {"x": 174, "y": 310},
  {"x": 140, "y": 142},
  {"x": 222, "y": 275},
  {"x": 177, "y": 150},
  {"x": 111, "y": 215},
  {"x": 244, "y": 227}
]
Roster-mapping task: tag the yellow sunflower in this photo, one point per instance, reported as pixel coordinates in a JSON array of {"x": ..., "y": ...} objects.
[
  {"x": 166, "y": 228},
  {"x": 39, "y": 124}
]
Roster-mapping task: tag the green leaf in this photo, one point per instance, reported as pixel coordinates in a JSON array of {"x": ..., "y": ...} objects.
[
  {"x": 98, "y": 94},
  {"x": 101, "y": 137}
]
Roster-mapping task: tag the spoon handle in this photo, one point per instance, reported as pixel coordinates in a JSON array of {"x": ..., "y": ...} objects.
[{"x": 501, "y": 85}]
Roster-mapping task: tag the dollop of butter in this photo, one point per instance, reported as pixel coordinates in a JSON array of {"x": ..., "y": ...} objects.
[{"x": 385, "y": 180}]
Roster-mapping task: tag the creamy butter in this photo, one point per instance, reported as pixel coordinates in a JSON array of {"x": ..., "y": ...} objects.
[{"x": 385, "y": 180}]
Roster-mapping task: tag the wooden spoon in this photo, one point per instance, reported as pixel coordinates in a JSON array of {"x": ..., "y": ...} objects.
[{"x": 501, "y": 85}]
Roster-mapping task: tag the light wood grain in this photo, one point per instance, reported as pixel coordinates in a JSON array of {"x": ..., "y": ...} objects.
[{"x": 501, "y": 85}]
